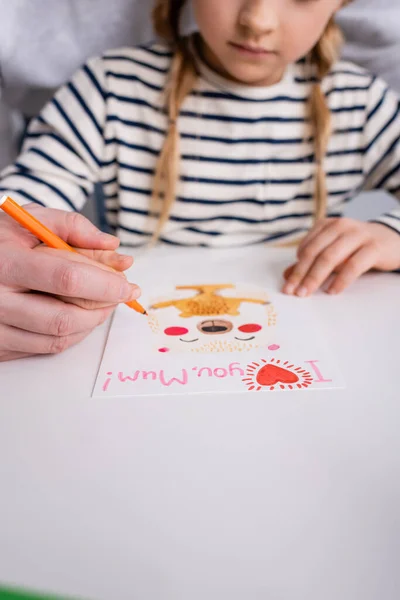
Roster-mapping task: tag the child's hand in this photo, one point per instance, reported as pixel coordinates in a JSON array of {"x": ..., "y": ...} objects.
[
  {"x": 344, "y": 249},
  {"x": 49, "y": 299}
]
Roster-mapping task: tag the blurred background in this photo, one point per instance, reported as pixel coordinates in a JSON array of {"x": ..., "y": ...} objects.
[{"x": 44, "y": 41}]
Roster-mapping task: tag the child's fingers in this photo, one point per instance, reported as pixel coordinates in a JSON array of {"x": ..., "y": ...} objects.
[
  {"x": 307, "y": 256},
  {"x": 311, "y": 235},
  {"x": 314, "y": 232},
  {"x": 327, "y": 261},
  {"x": 288, "y": 272},
  {"x": 361, "y": 262}
]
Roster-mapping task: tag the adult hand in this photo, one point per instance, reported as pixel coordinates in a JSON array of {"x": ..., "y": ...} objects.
[
  {"x": 52, "y": 299},
  {"x": 341, "y": 250}
]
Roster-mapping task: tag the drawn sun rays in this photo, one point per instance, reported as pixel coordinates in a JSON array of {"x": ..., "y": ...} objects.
[{"x": 275, "y": 374}]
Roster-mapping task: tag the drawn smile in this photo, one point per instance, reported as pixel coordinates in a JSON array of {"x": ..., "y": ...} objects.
[
  {"x": 189, "y": 341},
  {"x": 246, "y": 339}
]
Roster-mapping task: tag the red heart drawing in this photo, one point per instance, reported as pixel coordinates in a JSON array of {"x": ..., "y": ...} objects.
[{"x": 271, "y": 375}]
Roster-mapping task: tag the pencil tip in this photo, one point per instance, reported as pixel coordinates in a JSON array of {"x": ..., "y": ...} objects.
[{"x": 146, "y": 314}]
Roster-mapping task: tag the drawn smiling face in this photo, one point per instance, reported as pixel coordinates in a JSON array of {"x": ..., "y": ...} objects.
[
  {"x": 217, "y": 335},
  {"x": 227, "y": 334},
  {"x": 210, "y": 318}
]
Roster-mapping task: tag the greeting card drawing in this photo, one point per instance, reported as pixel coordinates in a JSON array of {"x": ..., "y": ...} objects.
[{"x": 215, "y": 338}]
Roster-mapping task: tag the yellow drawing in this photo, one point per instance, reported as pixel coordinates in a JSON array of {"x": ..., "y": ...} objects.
[
  {"x": 153, "y": 323},
  {"x": 207, "y": 302},
  {"x": 208, "y": 321}
]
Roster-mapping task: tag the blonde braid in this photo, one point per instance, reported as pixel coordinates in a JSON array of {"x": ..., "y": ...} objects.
[
  {"x": 182, "y": 78},
  {"x": 323, "y": 56}
]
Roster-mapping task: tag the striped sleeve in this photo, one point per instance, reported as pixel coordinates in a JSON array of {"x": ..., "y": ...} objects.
[
  {"x": 63, "y": 150},
  {"x": 382, "y": 146}
]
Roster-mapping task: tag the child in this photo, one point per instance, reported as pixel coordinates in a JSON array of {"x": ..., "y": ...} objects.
[{"x": 248, "y": 132}]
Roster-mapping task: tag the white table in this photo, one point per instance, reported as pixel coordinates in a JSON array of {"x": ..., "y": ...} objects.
[{"x": 279, "y": 497}]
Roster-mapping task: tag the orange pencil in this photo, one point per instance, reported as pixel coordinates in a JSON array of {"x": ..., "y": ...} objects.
[{"x": 19, "y": 214}]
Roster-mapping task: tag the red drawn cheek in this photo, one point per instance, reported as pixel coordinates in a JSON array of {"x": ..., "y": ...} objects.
[
  {"x": 163, "y": 350},
  {"x": 176, "y": 331},
  {"x": 250, "y": 328}
]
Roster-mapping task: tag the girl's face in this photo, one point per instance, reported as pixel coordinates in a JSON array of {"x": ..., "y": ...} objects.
[{"x": 252, "y": 41}]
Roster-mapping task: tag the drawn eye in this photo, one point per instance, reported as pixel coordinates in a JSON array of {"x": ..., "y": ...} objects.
[
  {"x": 250, "y": 328},
  {"x": 176, "y": 331}
]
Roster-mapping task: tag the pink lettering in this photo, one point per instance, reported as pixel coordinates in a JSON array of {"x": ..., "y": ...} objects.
[
  {"x": 147, "y": 374},
  {"x": 122, "y": 378},
  {"x": 169, "y": 382},
  {"x": 235, "y": 369},
  {"x": 107, "y": 382},
  {"x": 221, "y": 373},
  {"x": 205, "y": 369},
  {"x": 316, "y": 370}
]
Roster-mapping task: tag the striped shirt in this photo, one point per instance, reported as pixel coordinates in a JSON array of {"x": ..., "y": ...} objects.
[{"x": 247, "y": 153}]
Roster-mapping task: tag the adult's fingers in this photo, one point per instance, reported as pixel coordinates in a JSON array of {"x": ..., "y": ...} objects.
[
  {"x": 118, "y": 262},
  {"x": 109, "y": 260},
  {"x": 63, "y": 274},
  {"x": 101, "y": 259},
  {"x": 72, "y": 227},
  {"x": 43, "y": 314},
  {"x": 361, "y": 262},
  {"x": 6, "y": 355},
  {"x": 75, "y": 229},
  {"x": 20, "y": 341}
]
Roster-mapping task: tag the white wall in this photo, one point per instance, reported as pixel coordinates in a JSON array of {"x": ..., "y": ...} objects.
[{"x": 370, "y": 205}]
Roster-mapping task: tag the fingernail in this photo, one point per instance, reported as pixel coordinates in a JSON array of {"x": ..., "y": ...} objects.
[
  {"x": 123, "y": 257},
  {"x": 331, "y": 291},
  {"x": 289, "y": 288},
  {"x": 136, "y": 292},
  {"x": 302, "y": 292},
  {"x": 125, "y": 291}
]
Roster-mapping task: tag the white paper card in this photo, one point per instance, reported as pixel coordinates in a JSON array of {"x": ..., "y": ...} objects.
[{"x": 204, "y": 337}]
